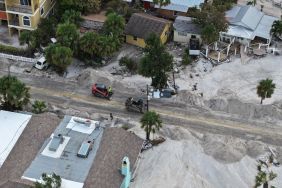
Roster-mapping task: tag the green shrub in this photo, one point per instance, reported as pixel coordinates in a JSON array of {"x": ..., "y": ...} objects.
[
  {"x": 27, "y": 52},
  {"x": 130, "y": 64},
  {"x": 186, "y": 59},
  {"x": 125, "y": 127},
  {"x": 38, "y": 107}
]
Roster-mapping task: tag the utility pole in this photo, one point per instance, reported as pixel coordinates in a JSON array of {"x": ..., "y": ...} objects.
[
  {"x": 147, "y": 98},
  {"x": 173, "y": 80}
]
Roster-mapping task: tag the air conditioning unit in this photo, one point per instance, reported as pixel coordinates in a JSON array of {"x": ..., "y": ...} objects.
[
  {"x": 85, "y": 122},
  {"x": 56, "y": 141},
  {"x": 84, "y": 149}
]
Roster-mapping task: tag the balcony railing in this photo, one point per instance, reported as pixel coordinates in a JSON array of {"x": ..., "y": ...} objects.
[
  {"x": 14, "y": 22},
  {"x": 2, "y": 6},
  {"x": 20, "y": 8}
]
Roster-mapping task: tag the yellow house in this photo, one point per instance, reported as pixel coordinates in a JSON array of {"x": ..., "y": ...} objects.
[
  {"x": 141, "y": 25},
  {"x": 25, "y": 14}
]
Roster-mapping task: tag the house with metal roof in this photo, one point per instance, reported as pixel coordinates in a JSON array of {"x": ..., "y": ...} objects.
[
  {"x": 247, "y": 23},
  {"x": 141, "y": 25},
  {"x": 184, "y": 29},
  {"x": 175, "y": 8}
]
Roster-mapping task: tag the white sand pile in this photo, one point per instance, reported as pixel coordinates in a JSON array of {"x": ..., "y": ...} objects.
[
  {"x": 123, "y": 84},
  {"x": 243, "y": 79},
  {"x": 233, "y": 79},
  {"x": 185, "y": 163}
]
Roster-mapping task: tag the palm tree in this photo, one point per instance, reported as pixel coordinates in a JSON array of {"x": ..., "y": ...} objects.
[
  {"x": 264, "y": 175},
  {"x": 49, "y": 181},
  {"x": 151, "y": 122},
  {"x": 38, "y": 107},
  {"x": 265, "y": 89},
  {"x": 276, "y": 28},
  {"x": 14, "y": 94}
]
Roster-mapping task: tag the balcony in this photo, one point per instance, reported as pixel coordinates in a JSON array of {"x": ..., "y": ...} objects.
[
  {"x": 14, "y": 22},
  {"x": 20, "y": 8},
  {"x": 2, "y": 6}
]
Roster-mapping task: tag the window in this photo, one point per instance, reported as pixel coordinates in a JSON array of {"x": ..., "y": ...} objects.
[
  {"x": 134, "y": 38},
  {"x": 182, "y": 34},
  {"x": 25, "y": 2},
  {"x": 42, "y": 11},
  {"x": 193, "y": 36},
  {"x": 26, "y": 21}
]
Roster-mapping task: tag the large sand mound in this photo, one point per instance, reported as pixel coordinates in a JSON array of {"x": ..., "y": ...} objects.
[
  {"x": 91, "y": 76},
  {"x": 202, "y": 161}
]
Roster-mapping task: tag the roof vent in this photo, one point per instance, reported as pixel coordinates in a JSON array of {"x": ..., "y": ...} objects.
[
  {"x": 86, "y": 122},
  {"x": 56, "y": 141},
  {"x": 84, "y": 149}
]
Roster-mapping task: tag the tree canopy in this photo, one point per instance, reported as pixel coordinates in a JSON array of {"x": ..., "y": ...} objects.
[
  {"x": 49, "y": 181},
  {"x": 14, "y": 95},
  {"x": 85, "y": 6},
  {"x": 114, "y": 24},
  {"x": 59, "y": 56},
  {"x": 211, "y": 18},
  {"x": 67, "y": 35},
  {"x": 276, "y": 28},
  {"x": 151, "y": 122},
  {"x": 265, "y": 89},
  {"x": 161, "y": 3},
  {"x": 71, "y": 16},
  {"x": 156, "y": 62}
]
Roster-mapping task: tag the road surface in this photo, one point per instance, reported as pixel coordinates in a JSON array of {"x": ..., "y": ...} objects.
[{"x": 68, "y": 94}]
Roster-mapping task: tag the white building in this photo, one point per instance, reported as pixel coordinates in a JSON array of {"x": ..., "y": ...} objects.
[
  {"x": 185, "y": 29},
  {"x": 247, "y": 23}
]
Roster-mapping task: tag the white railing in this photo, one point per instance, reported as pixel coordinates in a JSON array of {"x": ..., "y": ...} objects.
[{"x": 18, "y": 58}]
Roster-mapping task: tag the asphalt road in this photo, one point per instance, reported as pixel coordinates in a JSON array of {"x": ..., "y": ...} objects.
[{"x": 68, "y": 94}]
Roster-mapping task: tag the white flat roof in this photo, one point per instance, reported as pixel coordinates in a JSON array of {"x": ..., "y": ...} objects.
[
  {"x": 80, "y": 127},
  {"x": 65, "y": 183},
  {"x": 11, "y": 127},
  {"x": 58, "y": 153}
]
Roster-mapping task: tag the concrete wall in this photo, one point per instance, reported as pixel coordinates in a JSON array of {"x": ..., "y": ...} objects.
[
  {"x": 141, "y": 42},
  {"x": 184, "y": 39}
]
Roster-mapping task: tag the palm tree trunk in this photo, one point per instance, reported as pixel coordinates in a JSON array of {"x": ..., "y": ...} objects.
[
  {"x": 147, "y": 135},
  {"x": 265, "y": 185}
]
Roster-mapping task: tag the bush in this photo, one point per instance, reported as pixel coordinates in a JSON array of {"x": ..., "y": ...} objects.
[
  {"x": 26, "y": 52},
  {"x": 130, "y": 64},
  {"x": 186, "y": 59},
  {"x": 38, "y": 107},
  {"x": 125, "y": 127}
]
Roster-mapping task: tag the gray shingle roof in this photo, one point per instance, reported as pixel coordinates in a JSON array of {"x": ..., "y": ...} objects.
[
  {"x": 142, "y": 25},
  {"x": 186, "y": 25},
  {"x": 37, "y": 130},
  {"x": 116, "y": 143}
]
